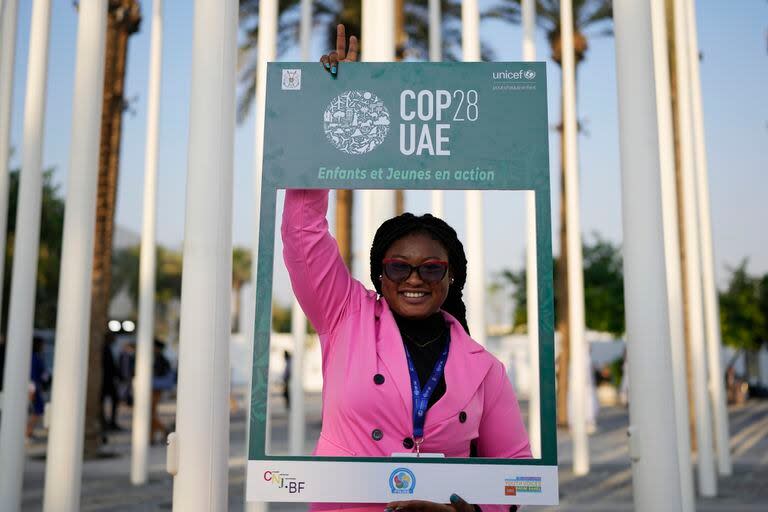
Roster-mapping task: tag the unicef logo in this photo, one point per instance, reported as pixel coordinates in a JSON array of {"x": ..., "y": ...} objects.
[
  {"x": 356, "y": 122},
  {"x": 402, "y": 481},
  {"x": 529, "y": 74}
]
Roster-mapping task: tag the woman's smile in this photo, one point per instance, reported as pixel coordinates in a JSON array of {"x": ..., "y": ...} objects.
[{"x": 415, "y": 297}]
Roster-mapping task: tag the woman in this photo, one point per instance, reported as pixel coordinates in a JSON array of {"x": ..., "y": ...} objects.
[{"x": 400, "y": 371}]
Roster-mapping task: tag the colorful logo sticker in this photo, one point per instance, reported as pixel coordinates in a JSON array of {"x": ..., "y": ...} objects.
[
  {"x": 402, "y": 481},
  {"x": 291, "y": 79},
  {"x": 285, "y": 481},
  {"x": 522, "y": 485},
  {"x": 356, "y": 122}
]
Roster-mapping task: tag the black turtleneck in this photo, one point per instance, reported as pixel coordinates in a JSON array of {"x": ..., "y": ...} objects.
[{"x": 425, "y": 340}]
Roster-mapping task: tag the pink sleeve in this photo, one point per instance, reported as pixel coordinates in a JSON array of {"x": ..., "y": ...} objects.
[
  {"x": 502, "y": 433},
  {"x": 319, "y": 278}
]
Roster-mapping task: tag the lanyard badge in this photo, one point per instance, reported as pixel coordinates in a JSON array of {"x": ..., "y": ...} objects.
[{"x": 421, "y": 396}]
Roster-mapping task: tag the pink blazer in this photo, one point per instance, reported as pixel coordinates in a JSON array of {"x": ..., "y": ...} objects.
[{"x": 367, "y": 403}]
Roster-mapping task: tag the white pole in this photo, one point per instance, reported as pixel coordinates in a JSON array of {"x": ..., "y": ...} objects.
[
  {"x": 70, "y": 368},
  {"x": 532, "y": 292},
  {"x": 475, "y": 266},
  {"x": 438, "y": 203},
  {"x": 528, "y": 14},
  {"x": 470, "y": 46},
  {"x": 706, "y": 469},
  {"x": 436, "y": 55},
  {"x": 7, "y": 58},
  {"x": 378, "y": 40},
  {"x": 267, "y": 51},
  {"x": 672, "y": 252},
  {"x": 653, "y": 440},
  {"x": 579, "y": 350},
  {"x": 711, "y": 307},
  {"x": 378, "y": 206},
  {"x": 297, "y": 422},
  {"x": 21, "y": 313},
  {"x": 435, "y": 31},
  {"x": 378, "y": 30},
  {"x": 140, "y": 431},
  {"x": 470, "y": 31},
  {"x": 305, "y": 31},
  {"x": 297, "y": 428},
  {"x": 203, "y": 389}
]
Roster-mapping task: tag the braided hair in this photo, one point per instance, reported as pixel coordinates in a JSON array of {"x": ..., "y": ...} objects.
[{"x": 407, "y": 224}]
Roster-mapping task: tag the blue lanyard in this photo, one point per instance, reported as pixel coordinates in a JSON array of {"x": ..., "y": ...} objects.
[{"x": 421, "y": 396}]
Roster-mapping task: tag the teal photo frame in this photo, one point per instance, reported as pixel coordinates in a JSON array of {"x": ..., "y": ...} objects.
[{"x": 451, "y": 126}]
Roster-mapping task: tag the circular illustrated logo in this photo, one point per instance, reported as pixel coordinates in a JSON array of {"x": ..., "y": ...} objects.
[
  {"x": 356, "y": 122},
  {"x": 402, "y": 481},
  {"x": 529, "y": 74}
]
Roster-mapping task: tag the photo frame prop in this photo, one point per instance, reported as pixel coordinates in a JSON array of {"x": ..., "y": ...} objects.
[{"x": 452, "y": 126}]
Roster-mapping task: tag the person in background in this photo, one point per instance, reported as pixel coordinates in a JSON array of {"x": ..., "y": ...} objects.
[
  {"x": 287, "y": 379},
  {"x": 2, "y": 361},
  {"x": 126, "y": 363},
  {"x": 109, "y": 376},
  {"x": 163, "y": 379},
  {"x": 39, "y": 377}
]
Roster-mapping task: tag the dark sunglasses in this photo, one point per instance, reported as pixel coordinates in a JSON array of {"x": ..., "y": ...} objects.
[{"x": 432, "y": 271}]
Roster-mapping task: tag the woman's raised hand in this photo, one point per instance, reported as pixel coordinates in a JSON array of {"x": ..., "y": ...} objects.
[{"x": 343, "y": 52}]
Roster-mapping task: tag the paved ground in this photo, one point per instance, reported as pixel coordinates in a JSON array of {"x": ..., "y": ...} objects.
[{"x": 608, "y": 487}]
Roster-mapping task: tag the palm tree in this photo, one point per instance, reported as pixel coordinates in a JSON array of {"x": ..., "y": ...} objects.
[
  {"x": 124, "y": 17},
  {"x": 125, "y": 276},
  {"x": 241, "y": 274},
  {"x": 412, "y": 24},
  {"x": 587, "y": 15}
]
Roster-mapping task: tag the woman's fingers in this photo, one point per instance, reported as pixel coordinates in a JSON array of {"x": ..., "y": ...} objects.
[
  {"x": 326, "y": 63},
  {"x": 352, "y": 53},
  {"x": 459, "y": 505},
  {"x": 417, "y": 506},
  {"x": 333, "y": 59},
  {"x": 341, "y": 41}
]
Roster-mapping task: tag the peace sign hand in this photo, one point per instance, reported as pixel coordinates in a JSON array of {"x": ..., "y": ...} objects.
[{"x": 342, "y": 54}]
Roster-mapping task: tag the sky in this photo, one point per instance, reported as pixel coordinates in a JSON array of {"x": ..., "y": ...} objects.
[{"x": 733, "y": 39}]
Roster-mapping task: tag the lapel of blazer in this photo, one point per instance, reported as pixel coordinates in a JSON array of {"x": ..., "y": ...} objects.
[
  {"x": 389, "y": 347},
  {"x": 467, "y": 365}
]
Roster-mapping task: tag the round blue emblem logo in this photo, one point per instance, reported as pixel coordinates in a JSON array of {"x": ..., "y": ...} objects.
[{"x": 402, "y": 481}]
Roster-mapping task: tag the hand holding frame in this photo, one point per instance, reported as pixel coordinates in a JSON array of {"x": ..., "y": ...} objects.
[{"x": 342, "y": 53}]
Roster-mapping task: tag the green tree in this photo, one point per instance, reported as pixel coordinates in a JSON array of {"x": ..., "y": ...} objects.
[
  {"x": 744, "y": 310},
  {"x": 51, "y": 229},
  {"x": 241, "y": 274},
  {"x": 281, "y": 317},
  {"x": 603, "y": 288},
  {"x": 125, "y": 274}
]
